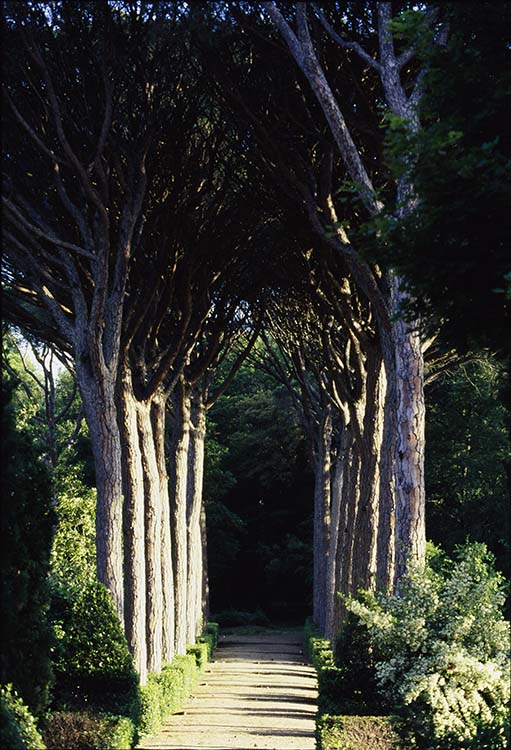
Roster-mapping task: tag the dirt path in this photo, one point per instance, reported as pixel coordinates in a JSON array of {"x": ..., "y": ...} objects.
[{"x": 257, "y": 693}]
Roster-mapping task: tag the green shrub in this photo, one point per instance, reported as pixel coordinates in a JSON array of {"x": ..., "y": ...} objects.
[
  {"x": 18, "y": 729},
  {"x": 79, "y": 730},
  {"x": 200, "y": 654},
  {"x": 93, "y": 667},
  {"x": 355, "y": 657},
  {"x": 212, "y": 629},
  {"x": 172, "y": 684},
  {"x": 443, "y": 653},
  {"x": 355, "y": 732},
  {"x": 151, "y": 714},
  {"x": 27, "y": 525},
  {"x": 186, "y": 663}
]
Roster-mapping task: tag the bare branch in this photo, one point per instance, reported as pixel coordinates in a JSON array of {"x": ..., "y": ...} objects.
[{"x": 355, "y": 46}]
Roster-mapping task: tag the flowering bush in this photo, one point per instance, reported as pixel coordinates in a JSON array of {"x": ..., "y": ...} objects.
[{"x": 442, "y": 653}]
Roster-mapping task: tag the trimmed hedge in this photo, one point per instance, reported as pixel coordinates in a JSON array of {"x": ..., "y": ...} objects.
[
  {"x": 356, "y": 728},
  {"x": 165, "y": 693},
  {"x": 355, "y": 733},
  {"x": 86, "y": 731},
  {"x": 18, "y": 729}
]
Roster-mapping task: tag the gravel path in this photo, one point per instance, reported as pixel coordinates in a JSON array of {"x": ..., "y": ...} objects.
[{"x": 257, "y": 693}]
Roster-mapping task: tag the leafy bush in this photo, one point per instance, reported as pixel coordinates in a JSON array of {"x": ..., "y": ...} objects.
[
  {"x": 354, "y": 732},
  {"x": 93, "y": 666},
  {"x": 200, "y": 654},
  {"x": 27, "y": 525},
  {"x": 186, "y": 663},
  {"x": 87, "y": 731},
  {"x": 354, "y": 656},
  {"x": 443, "y": 653},
  {"x": 151, "y": 714},
  {"x": 212, "y": 629},
  {"x": 172, "y": 684},
  {"x": 18, "y": 730}
]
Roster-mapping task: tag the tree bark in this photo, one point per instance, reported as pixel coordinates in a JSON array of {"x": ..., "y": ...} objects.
[
  {"x": 205, "y": 577},
  {"x": 321, "y": 517},
  {"x": 101, "y": 415},
  {"x": 153, "y": 536},
  {"x": 167, "y": 576},
  {"x": 134, "y": 528},
  {"x": 193, "y": 516},
  {"x": 178, "y": 499}
]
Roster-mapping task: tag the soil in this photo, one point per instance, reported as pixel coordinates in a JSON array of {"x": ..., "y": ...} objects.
[{"x": 258, "y": 692}]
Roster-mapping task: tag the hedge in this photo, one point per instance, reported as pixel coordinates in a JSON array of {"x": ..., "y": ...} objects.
[
  {"x": 355, "y": 729},
  {"x": 88, "y": 731},
  {"x": 355, "y": 733},
  {"x": 18, "y": 729}
]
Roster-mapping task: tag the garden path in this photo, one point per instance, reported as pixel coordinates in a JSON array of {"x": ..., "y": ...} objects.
[{"x": 258, "y": 692}]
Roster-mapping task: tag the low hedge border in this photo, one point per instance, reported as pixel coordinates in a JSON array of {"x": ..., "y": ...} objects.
[
  {"x": 165, "y": 693},
  {"x": 350, "y": 731}
]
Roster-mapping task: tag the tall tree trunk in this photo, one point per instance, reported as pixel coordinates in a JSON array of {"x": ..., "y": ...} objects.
[
  {"x": 194, "y": 507},
  {"x": 205, "y": 576},
  {"x": 321, "y": 518},
  {"x": 158, "y": 411},
  {"x": 134, "y": 527},
  {"x": 153, "y": 537},
  {"x": 178, "y": 480},
  {"x": 386, "y": 553},
  {"x": 98, "y": 397},
  {"x": 410, "y": 415}
]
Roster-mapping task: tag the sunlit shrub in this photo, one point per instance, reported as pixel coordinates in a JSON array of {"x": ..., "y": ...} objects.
[
  {"x": 442, "y": 648},
  {"x": 18, "y": 729}
]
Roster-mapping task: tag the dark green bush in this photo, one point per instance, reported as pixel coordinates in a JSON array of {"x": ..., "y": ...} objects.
[
  {"x": 355, "y": 657},
  {"x": 81, "y": 730},
  {"x": 355, "y": 733},
  {"x": 93, "y": 667},
  {"x": 200, "y": 654},
  {"x": 18, "y": 730},
  {"x": 212, "y": 629},
  {"x": 27, "y": 524}
]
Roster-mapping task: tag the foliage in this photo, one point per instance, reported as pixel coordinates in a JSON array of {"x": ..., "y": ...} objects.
[
  {"x": 187, "y": 664},
  {"x": 258, "y": 512},
  {"x": 355, "y": 658},
  {"x": 94, "y": 669},
  {"x": 92, "y": 640},
  {"x": 88, "y": 731},
  {"x": 453, "y": 248},
  {"x": 442, "y": 649},
  {"x": 74, "y": 545},
  {"x": 200, "y": 654},
  {"x": 467, "y": 448},
  {"x": 27, "y": 528},
  {"x": 354, "y": 732},
  {"x": 18, "y": 729}
]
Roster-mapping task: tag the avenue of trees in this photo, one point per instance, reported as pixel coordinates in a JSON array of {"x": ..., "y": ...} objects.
[{"x": 195, "y": 193}]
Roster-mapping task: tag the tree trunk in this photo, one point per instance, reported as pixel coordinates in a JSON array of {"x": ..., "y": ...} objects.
[
  {"x": 178, "y": 480},
  {"x": 153, "y": 537},
  {"x": 410, "y": 486},
  {"x": 167, "y": 575},
  {"x": 134, "y": 528},
  {"x": 321, "y": 518},
  {"x": 194, "y": 507},
  {"x": 98, "y": 397},
  {"x": 205, "y": 577}
]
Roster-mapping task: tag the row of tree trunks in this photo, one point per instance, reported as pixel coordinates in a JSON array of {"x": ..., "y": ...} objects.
[
  {"x": 151, "y": 525},
  {"x": 354, "y": 519}
]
